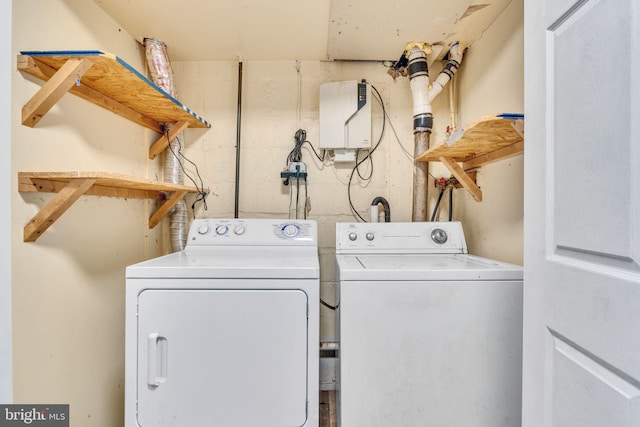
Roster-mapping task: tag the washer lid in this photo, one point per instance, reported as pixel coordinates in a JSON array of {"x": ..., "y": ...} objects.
[
  {"x": 232, "y": 262},
  {"x": 423, "y": 267}
]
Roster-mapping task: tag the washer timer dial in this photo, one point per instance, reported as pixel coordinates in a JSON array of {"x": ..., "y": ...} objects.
[
  {"x": 239, "y": 229},
  {"x": 439, "y": 236},
  {"x": 222, "y": 229},
  {"x": 290, "y": 230}
]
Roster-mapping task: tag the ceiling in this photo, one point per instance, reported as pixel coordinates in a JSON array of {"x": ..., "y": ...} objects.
[{"x": 216, "y": 30}]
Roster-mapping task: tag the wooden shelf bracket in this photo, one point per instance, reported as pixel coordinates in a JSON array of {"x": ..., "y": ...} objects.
[
  {"x": 487, "y": 140},
  {"x": 163, "y": 142},
  {"x": 105, "y": 80},
  {"x": 109, "y": 82},
  {"x": 467, "y": 182},
  {"x": 69, "y": 186},
  {"x": 55, "y": 208},
  {"x": 51, "y": 92}
]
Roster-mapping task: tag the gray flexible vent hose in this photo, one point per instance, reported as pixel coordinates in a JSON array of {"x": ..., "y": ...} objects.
[{"x": 162, "y": 75}]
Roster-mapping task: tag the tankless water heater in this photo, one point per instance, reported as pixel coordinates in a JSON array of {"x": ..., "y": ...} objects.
[{"x": 345, "y": 118}]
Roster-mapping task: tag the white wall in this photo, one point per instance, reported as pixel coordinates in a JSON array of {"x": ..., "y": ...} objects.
[
  {"x": 68, "y": 286},
  {"x": 6, "y": 377},
  {"x": 491, "y": 81},
  {"x": 270, "y": 119}
]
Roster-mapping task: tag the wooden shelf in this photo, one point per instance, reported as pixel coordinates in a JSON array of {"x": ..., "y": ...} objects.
[
  {"x": 108, "y": 81},
  {"x": 488, "y": 139},
  {"x": 71, "y": 185}
]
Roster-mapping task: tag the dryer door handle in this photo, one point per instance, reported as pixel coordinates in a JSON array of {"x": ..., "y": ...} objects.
[{"x": 157, "y": 351}]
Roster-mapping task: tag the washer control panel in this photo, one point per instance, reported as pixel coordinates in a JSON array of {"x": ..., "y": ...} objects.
[
  {"x": 400, "y": 237},
  {"x": 236, "y": 232}
]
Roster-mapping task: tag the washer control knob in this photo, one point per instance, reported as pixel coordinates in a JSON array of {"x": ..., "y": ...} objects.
[
  {"x": 290, "y": 230},
  {"x": 439, "y": 236},
  {"x": 203, "y": 229},
  {"x": 353, "y": 236},
  {"x": 222, "y": 229},
  {"x": 239, "y": 229},
  {"x": 370, "y": 236}
]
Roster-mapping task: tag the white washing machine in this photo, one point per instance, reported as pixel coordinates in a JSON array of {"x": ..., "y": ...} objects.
[
  {"x": 226, "y": 332},
  {"x": 429, "y": 335}
]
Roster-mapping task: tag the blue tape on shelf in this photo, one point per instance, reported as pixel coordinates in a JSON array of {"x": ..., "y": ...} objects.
[
  {"x": 61, "y": 52},
  {"x": 511, "y": 116}
]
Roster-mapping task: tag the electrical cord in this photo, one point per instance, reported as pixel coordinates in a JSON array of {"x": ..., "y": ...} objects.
[
  {"x": 297, "y": 192},
  {"x": 451, "y": 203},
  {"x": 306, "y": 199},
  {"x": 435, "y": 209},
  {"x": 368, "y": 156},
  {"x": 384, "y": 122},
  {"x": 395, "y": 133},
  {"x": 295, "y": 155},
  {"x": 202, "y": 193},
  {"x": 393, "y": 129},
  {"x": 329, "y": 306}
]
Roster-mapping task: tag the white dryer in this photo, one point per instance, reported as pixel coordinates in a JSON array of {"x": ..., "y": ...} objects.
[
  {"x": 429, "y": 335},
  {"x": 226, "y": 332}
]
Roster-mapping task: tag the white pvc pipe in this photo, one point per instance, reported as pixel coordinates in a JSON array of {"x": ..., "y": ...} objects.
[
  {"x": 374, "y": 213},
  {"x": 423, "y": 118},
  {"x": 455, "y": 57},
  {"x": 452, "y": 105},
  {"x": 419, "y": 83}
]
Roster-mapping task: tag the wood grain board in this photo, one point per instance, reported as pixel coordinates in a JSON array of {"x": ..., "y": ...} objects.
[
  {"x": 111, "y": 77},
  {"x": 488, "y": 139},
  {"x": 108, "y": 181},
  {"x": 69, "y": 186},
  {"x": 485, "y": 135}
]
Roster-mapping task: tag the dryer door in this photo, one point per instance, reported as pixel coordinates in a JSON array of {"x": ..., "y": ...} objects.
[{"x": 222, "y": 357}]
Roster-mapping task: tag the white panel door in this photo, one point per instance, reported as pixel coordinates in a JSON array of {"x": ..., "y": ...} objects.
[
  {"x": 582, "y": 214},
  {"x": 222, "y": 358}
]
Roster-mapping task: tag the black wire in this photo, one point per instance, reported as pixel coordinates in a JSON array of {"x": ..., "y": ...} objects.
[
  {"x": 451, "y": 203},
  {"x": 368, "y": 156},
  {"x": 202, "y": 193},
  {"x": 324, "y": 152},
  {"x": 329, "y": 306},
  {"x": 290, "y": 198},
  {"x": 435, "y": 209},
  {"x": 297, "y": 192},
  {"x": 353, "y": 209},
  {"x": 295, "y": 155},
  {"x": 306, "y": 199},
  {"x": 384, "y": 123},
  {"x": 400, "y": 142}
]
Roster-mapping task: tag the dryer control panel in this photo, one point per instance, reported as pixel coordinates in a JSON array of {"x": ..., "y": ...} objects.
[
  {"x": 400, "y": 237},
  {"x": 255, "y": 232}
]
